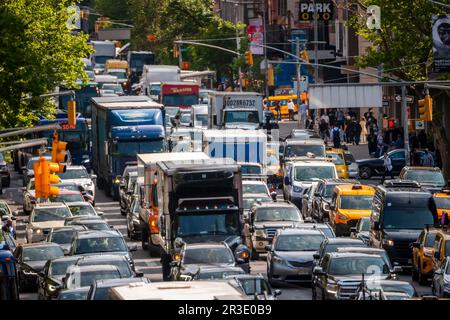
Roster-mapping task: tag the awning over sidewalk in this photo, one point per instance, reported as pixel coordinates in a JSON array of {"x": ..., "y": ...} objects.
[{"x": 323, "y": 96}]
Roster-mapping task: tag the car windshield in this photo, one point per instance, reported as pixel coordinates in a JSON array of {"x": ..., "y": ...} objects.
[
  {"x": 208, "y": 256},
  {"x": 113, "y": 87},
  {"x": 209, "y": 275},
  {"x": 356, "y": 202},
  {"x": 442, "y": 202},
  {"x": 122, "y": 265},
  {"x": 358, "y": 265},
  {"x": 201, "y": 119},
  {"x": 364, "y": 225},
  {"x": 68, "y": 186},
  {"x": 407, "y": 217},
  {"x": 426, "y": 177},
  {"x": 429, "y": 241},
  {"x": 302, "y": 150},
  {"x": 42, "y": 253},
  {"x": 133, "y": 148},
  {"x": 87, "y": 278},
  {"x": 80, "y": 173},
  {"x": 309, "y": 173},
  {"x": 241, "y": 116},
  {"x": 337, "y": 159},
  {"x": 5, "y": 208},
  {"x": 328, "y": 190},
  {"x": 349, "y": 158},
  {"x": 63, "y": 236},
  {"x": 248, "y": 202},
  {"x": 100, "y": 225},
  {"x": 333, "y": 247},
  {"x": 254, "y": 286},
  {"x": 394, "y": 287},
  {"x": 59, "y": 268},
  {"x": 80, "y": 210},
  {"x": 105, "y": 244},
  {"x": 254, "y": 188},
  {"x": 207, "y": 224},
  {"x": 67, "y": 198},
  {"x": 306, "y": 242},
  {"x": 50, "y": 214},
  {"x": 118, "y": 74},
  {"x": 179, "y": 100},
  {"x": 277, "y": 214}
]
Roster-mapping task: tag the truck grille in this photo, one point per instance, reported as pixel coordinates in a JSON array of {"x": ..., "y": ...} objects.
[
  {"x": 270, "y": 233},
  {"x": 403, "y": 249},
  {"x": 347, "y": 290}
]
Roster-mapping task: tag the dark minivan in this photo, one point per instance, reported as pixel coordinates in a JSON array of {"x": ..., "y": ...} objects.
[{"x": 400, "y": 211}]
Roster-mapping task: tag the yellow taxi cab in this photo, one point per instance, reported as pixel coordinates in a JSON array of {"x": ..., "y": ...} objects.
[
  {"x": 442, "y": 200},
  {"x": 441, "y": 248},
  {"x": 423, "y": 255},
  {"x": 283, "y": 100},
  {"x": 339, "y": 162},
  {"x": 349, "y": 203}
]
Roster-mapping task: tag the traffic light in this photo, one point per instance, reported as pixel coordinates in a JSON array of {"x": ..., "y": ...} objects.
[
  {"x": 72, "y": 113},
  {"x": 38, "y": 179},
  {"x": 426, "y": 108},
  {"x": 59, "y": 153},
  {"x": 48, "y": 177},
  {"x": 248, "y": 57},
  {"x": 304, "y": 55},
  {"x": 270, "y": 77}
]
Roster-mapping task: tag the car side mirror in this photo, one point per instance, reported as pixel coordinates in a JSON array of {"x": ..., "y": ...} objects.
[
  {"x": 416, "y": 245},
  {"x": 132, "y": 248},
  {"x": 268, "y": 247},
  {"x": 93, "y": 176},
  {"x": 316, "y": 256},
  {"x": 139, "y": 274},
  {"x": 277, "y": 292},
  {"x": 99, "y": 213},
  {"x": 316, "y": 194}
]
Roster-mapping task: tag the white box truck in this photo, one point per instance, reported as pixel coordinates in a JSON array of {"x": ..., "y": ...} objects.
[
  {"x": 235, "y": 110},
  {"x": 154, "y": 75}
]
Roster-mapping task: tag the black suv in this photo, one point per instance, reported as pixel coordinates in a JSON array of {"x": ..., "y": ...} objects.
[
  {"x": 401, "y": 209},
  {"x": 322, "y": 197}
]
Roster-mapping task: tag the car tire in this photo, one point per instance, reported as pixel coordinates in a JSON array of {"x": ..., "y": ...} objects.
[{"x": 365, "y": 172}]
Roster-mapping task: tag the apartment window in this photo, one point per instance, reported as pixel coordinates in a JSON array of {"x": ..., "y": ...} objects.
[{"x": 282, "y": 7}]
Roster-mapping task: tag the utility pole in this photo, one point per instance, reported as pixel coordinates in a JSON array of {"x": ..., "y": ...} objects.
[
  {"x": 238, "y": 44},
  {"x": 405, "y": 125},
  {"x": 266, "y": 65},
  {"x": 299, "y": 115},
  {"x": 316, "y": 36}
]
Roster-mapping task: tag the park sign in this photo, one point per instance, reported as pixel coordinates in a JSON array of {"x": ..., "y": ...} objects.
[{"x": 323, "y": 10}]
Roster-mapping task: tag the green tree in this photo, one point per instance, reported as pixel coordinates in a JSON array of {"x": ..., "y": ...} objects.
[
  {"x": 404, "y": 46},
  {"x": 37, "y": 53},
  {"x": 114, "y": 9}
]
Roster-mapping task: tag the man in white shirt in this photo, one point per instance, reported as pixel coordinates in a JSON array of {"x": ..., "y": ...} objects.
[{"x": 291, "y": 107}]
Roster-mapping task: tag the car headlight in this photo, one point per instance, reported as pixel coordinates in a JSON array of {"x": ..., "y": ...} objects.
[
  {"x": 38, "y": 231},
  {"x": 332, "y": 288},
  {"x": 260, "y": 233},
  {"x": 29, "y": 273},
  {"x": 388, "y": 242},
  {"x": 342, "y": 217},
  {"x": 297, "y": 189},
  {"x": 51, "y": 288},
  {"x": 277, "y": 259}
]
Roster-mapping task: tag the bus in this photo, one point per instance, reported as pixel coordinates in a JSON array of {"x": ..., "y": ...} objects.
[{"x": 78, "y": 137}]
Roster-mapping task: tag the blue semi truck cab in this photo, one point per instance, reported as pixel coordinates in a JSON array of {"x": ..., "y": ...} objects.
[{"x": 123, "y": 127}]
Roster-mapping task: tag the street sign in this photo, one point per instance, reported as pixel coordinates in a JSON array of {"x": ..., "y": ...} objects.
[
  {"x": 420, "y": 125},
  {"x": 409, "y": 99}
]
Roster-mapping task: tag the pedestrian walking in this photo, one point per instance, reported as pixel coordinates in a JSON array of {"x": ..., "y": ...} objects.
[
  {"x": 357, "y": 129},
  {"x": 278, "y": 110},
  {"x": 323, "y": 116},
  {"x": 387, "y": 167},
  {"x": 363, "y": 125},
  {"x": 336, "y": 136},
  {"x": 323, "y": 130},
  {"x": 340, "y": 118},
  {"x": 427, "y": 160},
  {"x": 291, "y": 107},
  {"x": 380, "y": 144}
]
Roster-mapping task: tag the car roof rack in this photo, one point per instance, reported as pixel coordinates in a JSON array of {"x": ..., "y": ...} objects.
[{"x": 397, "y": 183}]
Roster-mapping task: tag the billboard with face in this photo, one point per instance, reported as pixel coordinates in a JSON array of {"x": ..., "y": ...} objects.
[{"x": 441, "y": 42}]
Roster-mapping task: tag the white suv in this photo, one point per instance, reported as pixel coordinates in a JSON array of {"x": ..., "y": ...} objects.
[{"x": 301, "y": 175}]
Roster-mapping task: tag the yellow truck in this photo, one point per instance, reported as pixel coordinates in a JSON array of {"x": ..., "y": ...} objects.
[{"x": 283, "y": 100}]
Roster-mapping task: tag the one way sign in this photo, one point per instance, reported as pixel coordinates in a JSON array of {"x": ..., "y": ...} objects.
[{"x": 409, "y": 99}]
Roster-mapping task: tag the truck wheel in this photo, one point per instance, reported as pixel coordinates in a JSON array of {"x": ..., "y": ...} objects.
[
  {"x": 365, "y": 173},
  {"x": 144, "y": 234}
]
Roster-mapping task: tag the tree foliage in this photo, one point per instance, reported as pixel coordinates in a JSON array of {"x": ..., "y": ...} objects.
[
  {"x": 37, "y": 53},
  {"x": 404, "y": 43}
]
